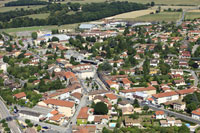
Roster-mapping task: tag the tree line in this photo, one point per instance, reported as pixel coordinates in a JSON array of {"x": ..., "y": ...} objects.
[{"x": 90, "y": 12}]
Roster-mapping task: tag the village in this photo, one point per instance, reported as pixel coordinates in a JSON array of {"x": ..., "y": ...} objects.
[{"x": 106, "y": 76}]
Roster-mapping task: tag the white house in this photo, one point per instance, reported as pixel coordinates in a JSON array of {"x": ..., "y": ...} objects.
[
  {"x": 165, "y": 97},
  {"x": 196, "y": 114},
  {"x": 160, "y": 115}
]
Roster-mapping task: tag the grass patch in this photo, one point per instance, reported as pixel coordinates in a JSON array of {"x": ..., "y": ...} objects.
[
  {"x": 39, "y": 16},
  {"x": 6, "y": 9},
  {"x": 79, "y": 122},
  {"x": 163, "y": 16},
  {"x": 192, "y": 15}
]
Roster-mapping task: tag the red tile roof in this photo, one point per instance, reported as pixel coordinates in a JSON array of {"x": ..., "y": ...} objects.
[
  {"x": 165, "y": 94},
  {"x": 196, "y": 112},
  {"x": 83, "y": 114},
  {"x": 69, "y": 75},
  {"x": 111, "y": 96},
  {"x": 160, "y": 112},
  {"x": 186, "y": 91},
  {"x": 139, "y": 89},
  {"x": 59, "y": 103},
  {"x": 126, "y": 81},
  {"x": 77, "y": 95},
  {"x": 20, "y": 95},
  {"x": 56, "y": 117}
]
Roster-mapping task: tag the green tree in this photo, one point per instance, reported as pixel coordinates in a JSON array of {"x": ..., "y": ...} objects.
[
  {"x": 136, "y": 103},
  {"x": 34, "y": 35},
  {"x": 100, "y": 108},
  {"x": 146, "y": 108},
  {"x": 184, "y": 129}
]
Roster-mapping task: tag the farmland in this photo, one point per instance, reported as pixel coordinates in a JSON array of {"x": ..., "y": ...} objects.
[
  {"x": 192, "y": 14},
  {"x": 163, "y": 16}
]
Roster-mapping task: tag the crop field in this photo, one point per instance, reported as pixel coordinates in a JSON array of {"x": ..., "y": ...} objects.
[
  {"x": 160, "y": 2},
  {"x": 163, "y": 16},
  {"x": 39, "y": 16},
  {"x": 192, "y": 14},
  {"x": 5, "y": 9},
  {"x": 134, "y": 14}
]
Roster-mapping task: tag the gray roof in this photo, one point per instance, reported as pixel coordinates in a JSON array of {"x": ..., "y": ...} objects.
[
  {"x": 86, "y": 26},
  {"x": 31, "y": 113}
]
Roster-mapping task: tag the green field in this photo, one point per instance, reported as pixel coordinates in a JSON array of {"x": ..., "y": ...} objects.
[
  {"x": 163, "y": 16},
  {"x": 5, "y": 9},
  {"x": 39, "y": 16},
  {"x": 192, "y": 15},
  {"x": 36, "y": 28}
]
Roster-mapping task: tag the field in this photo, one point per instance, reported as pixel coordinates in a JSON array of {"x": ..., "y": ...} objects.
[
  {"x": 192, "y": 14},
  {"x": 35, "y": 28},
  {"x": 39, "y": 16},
  {"x": 160, "y": 2},
  {"x": 5, "y": 9},
  {"x": 134, "y": 14},
  {"x": 163, "y": 16}
]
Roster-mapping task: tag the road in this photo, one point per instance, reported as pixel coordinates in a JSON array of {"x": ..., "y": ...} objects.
[
  {"x": 4, "y": 112},
  {"x": 196, "y": 80},
  {"x": 194, "y": 48}
]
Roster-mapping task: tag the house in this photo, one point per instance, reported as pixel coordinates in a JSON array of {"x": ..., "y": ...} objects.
[
  {"x": 65, "y": 107},
  {"x": 123, "y": 103},
  {"x": 179, "y": 105},
  {"x": 126, "y": 83},
  {"x": 83, "y": 115},
  {"x": 20, "y": 95},
  {"x": 170, "y": 122},
  {"x": 77, "y": 96},
  {"x": 165, "y": 97},
  {"x": 154, "y": 63},
  {"x": 30, "y": 115},
  {"x": 101, "y": 119},
  {"x": 160, "y": 115},
  {"x": 183, "y": 93},
  {"x": 129, "y": 122},
  {"x": 112, "y": 84},
  {"x": 177, "y": 71},
  {"x": 87, "y": 26},
  {"x": 150, "y": 90},
  {"x": 112, "y": 98},
  {"x": 196, "y": 114},
  {"x": 58, "y": 118},
  {"x": 154, "y": 83},
  {"x": 127, "y": 110},
  {"x": 92, "y": 94},
  {"x": 179, "y": 82}
]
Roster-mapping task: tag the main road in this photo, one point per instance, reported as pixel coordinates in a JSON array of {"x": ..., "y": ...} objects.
[{"x": 4, "y": 112}]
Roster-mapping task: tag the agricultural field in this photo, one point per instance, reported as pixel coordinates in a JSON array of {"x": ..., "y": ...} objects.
[
  {"x": 192, "y": 14},
  {"x": 13, "y": 31},
  {"x": 163, "y": 16},
  {"x": 5, "y": 9},
  {"x": 134, "y": 14},
  {"x": 160, "y": 2},
  {"x": 39, "y": 16}
]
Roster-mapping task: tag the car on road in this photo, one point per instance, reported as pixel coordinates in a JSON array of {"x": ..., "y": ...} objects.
[
  {"x": 45, "y": 127},
  {"x": 9, "y": 118}
]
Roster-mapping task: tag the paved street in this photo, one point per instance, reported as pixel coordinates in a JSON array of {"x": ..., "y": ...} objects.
[
  {"x": 196, "y": 80},
  {"x": 4, "y": 112}
]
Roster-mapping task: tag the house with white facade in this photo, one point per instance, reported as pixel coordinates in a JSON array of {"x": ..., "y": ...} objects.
[{"x": 165, "y": 97}]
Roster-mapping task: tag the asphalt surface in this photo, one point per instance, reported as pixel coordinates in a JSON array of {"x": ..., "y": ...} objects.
[{"x": 4, "y": 112}]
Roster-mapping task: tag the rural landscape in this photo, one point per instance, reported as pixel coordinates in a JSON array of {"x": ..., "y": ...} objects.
[{"x": 99, "y": 66}]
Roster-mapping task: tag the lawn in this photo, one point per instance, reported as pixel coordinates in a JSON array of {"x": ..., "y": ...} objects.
[
  {"x": 163, "y": 16},
  {"x": 192, "y": 15},
  {"x": 5, "y": 9},
  {"x": 79, "y": 122},
  {"x": 39, "y": 16}
]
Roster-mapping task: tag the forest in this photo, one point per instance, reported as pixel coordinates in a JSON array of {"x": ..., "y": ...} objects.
[{"x": 59, "y": 13}]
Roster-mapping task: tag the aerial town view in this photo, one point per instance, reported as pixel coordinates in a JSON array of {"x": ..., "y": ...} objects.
[{"x": 99, "y": 66}]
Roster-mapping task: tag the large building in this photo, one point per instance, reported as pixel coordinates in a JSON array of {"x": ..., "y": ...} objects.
[{"x": 165, "y": 97}]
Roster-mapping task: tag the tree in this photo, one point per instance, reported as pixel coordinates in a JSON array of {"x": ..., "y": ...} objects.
[
  {"x": 100, "y": 108},
  {"x": 192, "y": 106},
  {"x": 54, "y": 31},
  {"x": 55, "y": 39},
  {"x": 136, "y": 103},
  {"x": 183, "y": 129},
  {"x": 34, "y": 35},
  {"x": 126, "y": 31},
  {"x": 152, "y": 3},
  {"x": 146, "y": 108}
]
